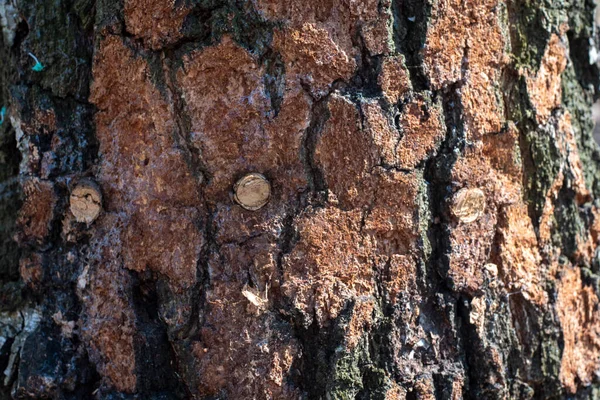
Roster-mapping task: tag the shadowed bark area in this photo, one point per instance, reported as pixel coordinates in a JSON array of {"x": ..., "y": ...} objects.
[{"x": 430, "y": 183}]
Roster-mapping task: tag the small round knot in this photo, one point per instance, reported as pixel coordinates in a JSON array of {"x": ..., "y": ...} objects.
[
  {"x": 468, "y": 204},
  {"x": 86, "y": 201},
  {"x": 252, "y": 191}
]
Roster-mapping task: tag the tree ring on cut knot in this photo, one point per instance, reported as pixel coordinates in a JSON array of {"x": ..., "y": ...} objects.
[
  {"x": 468, "y": 204},
  {"x": 252, "y": 192},
  {"x": 86, "y": 201}
]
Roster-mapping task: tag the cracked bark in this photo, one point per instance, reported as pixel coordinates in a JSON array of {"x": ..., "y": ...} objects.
[{"x": 356, "y": 279}]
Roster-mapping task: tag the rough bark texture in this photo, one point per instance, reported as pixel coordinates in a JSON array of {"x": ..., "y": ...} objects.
[{"x": 433, "y": 224}]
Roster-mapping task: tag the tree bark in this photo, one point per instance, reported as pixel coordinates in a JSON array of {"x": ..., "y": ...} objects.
[{"x": 284, "y": 199}]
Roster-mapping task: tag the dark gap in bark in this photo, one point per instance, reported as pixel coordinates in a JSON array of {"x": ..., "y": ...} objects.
[
  {"x": 437, "y": 174},
  {"x": 410, "y": 30},
  {"x": 316, "y": 180},
  {"x": 588, "y": 74},
  {"x": 580, "y": 89},
  {"x": 443, "y": 383},
  {"x": 571, "y": 228},
  {"x": 526, "y": 322},
  {"x": 203, "y": 274},
  {"x": 376, "y": 361},
  {"x": 10, "y": 203},
  {"x": 20, "y": 35},
  {"x": 154, "y": 358},
  {"x": 412, "y": 395},
  {"x": 310, "y": 378},
  {"x": 381, "y": 350},
  {"x": 183, "y": 120},
  {"x": 242, "y": 21},
  {"x": 476, "y": 370},
  {"x": 109, "y": 13},
  {"x": 195, "y": 27},
  {"x": 274, "y": 79},
  {"x": 51, "y": 366},
  {"x": 286, "y": 242},
  {"x": 319, "y": 346},
  {"x": 364, "y": 83},
  {"x": 182, "y": 338},
  {"x": 5, "y": 352}
]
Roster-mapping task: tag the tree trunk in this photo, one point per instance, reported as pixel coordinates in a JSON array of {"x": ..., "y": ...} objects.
[{"x": 285, "y": 199}]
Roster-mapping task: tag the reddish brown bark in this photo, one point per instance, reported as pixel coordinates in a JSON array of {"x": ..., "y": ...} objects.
[{"x": 432, "y": 222}]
